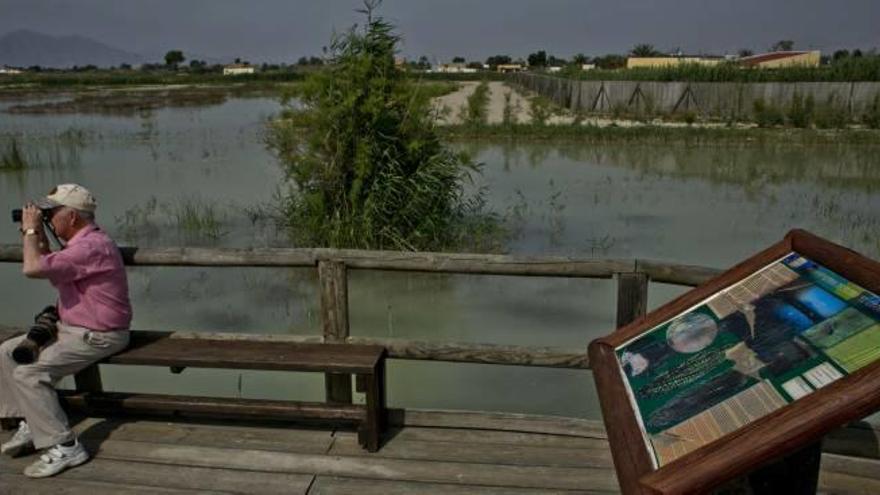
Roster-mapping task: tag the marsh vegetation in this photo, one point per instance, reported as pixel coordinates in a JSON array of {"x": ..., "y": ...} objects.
[{"x": 366, "y": 167}]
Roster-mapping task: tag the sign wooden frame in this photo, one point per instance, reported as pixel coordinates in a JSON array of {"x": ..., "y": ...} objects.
[{"x": 786, "y": 430}]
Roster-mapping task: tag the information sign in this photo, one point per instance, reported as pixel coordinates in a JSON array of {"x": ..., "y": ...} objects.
[{"x": 795, "y": 324}]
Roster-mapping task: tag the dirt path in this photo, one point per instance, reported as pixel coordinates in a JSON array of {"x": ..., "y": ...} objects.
[{"x": 455, "y": 102}]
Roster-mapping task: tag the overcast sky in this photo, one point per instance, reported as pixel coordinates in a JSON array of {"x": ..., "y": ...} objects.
[{"x": 284, "y": 30}]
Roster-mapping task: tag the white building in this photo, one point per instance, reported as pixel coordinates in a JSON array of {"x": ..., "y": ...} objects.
[
  {"x": 237, "y": 69},
  {"x": 505, "y": 68},
  {"x": 9, "y": 70},
  {"x": 454, "y": 68}
]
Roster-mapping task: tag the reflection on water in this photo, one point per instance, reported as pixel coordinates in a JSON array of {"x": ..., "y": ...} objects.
[{"x": 201, "y": 176}]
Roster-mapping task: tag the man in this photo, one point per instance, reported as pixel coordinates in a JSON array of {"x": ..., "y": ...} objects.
[{"x": 95, "y": 314}]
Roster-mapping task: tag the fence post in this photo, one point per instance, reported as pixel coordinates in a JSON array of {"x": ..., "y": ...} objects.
[
  {"x": 334, "y": 317},
  {"x": 632, "y": 297}
]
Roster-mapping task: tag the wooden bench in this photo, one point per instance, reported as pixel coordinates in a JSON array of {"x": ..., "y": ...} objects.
[{"x": 366, "y": 362}]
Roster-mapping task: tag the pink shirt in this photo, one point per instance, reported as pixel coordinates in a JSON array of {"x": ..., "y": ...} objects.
[{"x": 90, "y": 277}]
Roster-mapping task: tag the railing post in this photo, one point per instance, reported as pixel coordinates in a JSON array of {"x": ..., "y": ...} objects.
[
  {"x": 632, "y": 297},
  {"x": 334, "y": 318}
]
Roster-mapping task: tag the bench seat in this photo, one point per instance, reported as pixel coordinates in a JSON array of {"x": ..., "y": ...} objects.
[{"x": 149, "y": 348}]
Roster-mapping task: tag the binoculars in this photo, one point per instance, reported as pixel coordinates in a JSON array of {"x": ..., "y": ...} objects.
[
  {"x": 17, "y": 212},
  {"x": 42, "y": 333}
]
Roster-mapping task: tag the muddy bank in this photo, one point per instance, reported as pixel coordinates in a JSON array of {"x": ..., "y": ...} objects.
[{"x": 129, "y": 102}]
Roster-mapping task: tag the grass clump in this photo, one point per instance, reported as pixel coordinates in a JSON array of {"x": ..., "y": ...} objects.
[
  {"x": 831, "y": 115},
  {"x": 871, "y": 118},
  {"x": 800, "y": 111},
  {"x": 197, "y": 218},
  {"x": 476, "y": 111},
  {"x": 11, "y": 158},
  {"x": 767, "y": 115},
  {"x": 510, "y": 111},
  {"x": 540, "y": 110},
  {"x": 365, "y": 165}
]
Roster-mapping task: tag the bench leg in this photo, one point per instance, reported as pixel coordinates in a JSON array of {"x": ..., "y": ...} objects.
[
  {"x": 89, "y": 380},
  {"x": 370, "y": 432}
]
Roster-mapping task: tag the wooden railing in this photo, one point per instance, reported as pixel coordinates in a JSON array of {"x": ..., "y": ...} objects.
[{"x": 632, "y": 277}]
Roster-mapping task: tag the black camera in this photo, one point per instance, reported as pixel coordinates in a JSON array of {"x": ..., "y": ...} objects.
[{"x": 42, "y": 333}]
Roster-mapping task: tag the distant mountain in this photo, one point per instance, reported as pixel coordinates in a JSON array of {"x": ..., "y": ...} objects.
[{"x": 26, "y": 48}]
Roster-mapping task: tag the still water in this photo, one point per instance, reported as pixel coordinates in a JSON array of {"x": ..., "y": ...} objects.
[{"x": 709, "y": 206}]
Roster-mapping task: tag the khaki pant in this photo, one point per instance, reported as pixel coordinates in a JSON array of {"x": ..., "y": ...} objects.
[{"x": 28, "y": 390}]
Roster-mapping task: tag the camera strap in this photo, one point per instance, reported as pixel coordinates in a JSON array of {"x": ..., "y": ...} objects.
[{"x": 52, "y": 236}]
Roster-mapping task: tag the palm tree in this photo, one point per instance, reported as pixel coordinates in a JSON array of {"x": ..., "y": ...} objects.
[{"x": 644, "y": 50}]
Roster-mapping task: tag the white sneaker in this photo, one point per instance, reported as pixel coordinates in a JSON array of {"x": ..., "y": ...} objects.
[
  {"x": 57, "y": 459},
  {"x": 21, "y": 443}
]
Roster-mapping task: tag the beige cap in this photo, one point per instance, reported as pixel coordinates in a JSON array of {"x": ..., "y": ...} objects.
[{"x": 72, "y": 195}]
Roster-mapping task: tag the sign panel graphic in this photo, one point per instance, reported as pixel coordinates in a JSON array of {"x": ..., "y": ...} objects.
[{"x": 785, "y": 331}]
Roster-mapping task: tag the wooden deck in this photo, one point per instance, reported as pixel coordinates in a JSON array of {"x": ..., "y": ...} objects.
[{"x": 429, "y": 452}]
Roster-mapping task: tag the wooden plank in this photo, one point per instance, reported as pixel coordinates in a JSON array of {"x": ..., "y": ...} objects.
[
  {"x": 857, "y": 440},
  {"x": 501, "y": 421},
  {"x": 193, "y": 256},
  {"x": 160, "y": 477},
  {"x": 677, "y": 274},
  {"x": 364, "y": 467},
  {"x": 333, "y": 280},
  {"x": 463, "y": 352},
  {"x": 844, "y": 484},
  {"x": 482, "y": 264},
  {"x": 346, "y": 444},
  {"x": 283, "y": 356},
  {"x": 855, "y": 466},
  {"x": 93, "y": 431},
  {"x": 632, "y": 297},
  {"x": 449, "y": 434},
  {"x": 19, "y": 484},
  {"x": 115, "y": 402},
  {"x": 463, "y": 263},
  {"x": 331, "y": 485}
]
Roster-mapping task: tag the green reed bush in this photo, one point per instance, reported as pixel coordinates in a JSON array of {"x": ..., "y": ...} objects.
[{"x": 365, "y": 165}]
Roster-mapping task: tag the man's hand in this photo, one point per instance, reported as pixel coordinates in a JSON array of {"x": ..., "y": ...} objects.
[
  {"x": 33, "y": 246},
  {"x": 31, "y": 217}
]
